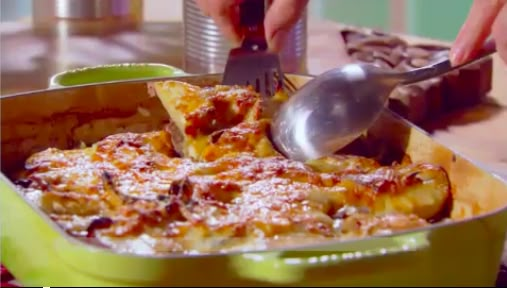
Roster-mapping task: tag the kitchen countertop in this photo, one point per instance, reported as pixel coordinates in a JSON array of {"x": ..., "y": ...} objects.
[{"x": 28, "y": 60}]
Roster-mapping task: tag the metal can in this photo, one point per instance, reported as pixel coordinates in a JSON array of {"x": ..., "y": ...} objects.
[
  {"x": 86, "y": 16},
  {"x": 206, "y": 50}
]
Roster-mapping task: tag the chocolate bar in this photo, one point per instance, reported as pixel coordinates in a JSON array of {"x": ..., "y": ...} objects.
[{"x": 417, "y": 102}]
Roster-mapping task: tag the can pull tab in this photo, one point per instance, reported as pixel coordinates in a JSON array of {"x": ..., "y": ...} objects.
[{"x": 251, "y": 20}]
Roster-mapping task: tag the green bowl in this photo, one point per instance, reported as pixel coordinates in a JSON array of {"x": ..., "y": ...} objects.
[{"x": 112, "y": 73}]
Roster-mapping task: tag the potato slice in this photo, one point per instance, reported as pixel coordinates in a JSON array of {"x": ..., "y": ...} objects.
[
  {"x": 420, "y": 189},
  {"x": 197, "y": 113},
  {"x": 247, "y": 137},
  {"x": 341, "y": 164}
]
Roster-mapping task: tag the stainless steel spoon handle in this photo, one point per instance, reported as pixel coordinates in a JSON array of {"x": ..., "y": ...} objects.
[{"x": 444, "y": 66}]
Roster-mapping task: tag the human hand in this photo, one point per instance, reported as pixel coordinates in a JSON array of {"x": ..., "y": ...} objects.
[
  {"x": 279, "y": 18},
  {"x": 486, "y": 17}
]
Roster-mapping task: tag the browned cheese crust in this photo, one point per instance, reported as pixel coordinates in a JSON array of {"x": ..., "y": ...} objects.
[{"x": 231, "y": 191}]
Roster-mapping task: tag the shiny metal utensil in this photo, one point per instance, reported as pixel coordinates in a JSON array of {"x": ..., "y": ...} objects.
[
  {"x": 251, "y": 63},
  {"x": 336, "y": 107}
]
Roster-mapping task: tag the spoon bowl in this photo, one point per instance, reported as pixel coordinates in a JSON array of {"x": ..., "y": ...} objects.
[
  {"x": 332, "y": 111},
  {"x": 336, "y": 107}
]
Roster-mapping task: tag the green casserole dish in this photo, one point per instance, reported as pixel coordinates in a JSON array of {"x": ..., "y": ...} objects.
[{"x": 466, "y": 251}]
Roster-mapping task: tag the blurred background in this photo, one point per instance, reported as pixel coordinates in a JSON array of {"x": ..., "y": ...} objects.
[
  {"x": 50, "y": 44},
  {"x": 428, "y": 18}
]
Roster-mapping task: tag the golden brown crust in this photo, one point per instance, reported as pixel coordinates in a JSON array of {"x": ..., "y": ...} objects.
[
  {"x": 199, "y": 112},
  {"x": 236, "y": 199},
  {"x": 246, "y": 137},
  {"x": 133, "y": 193}
]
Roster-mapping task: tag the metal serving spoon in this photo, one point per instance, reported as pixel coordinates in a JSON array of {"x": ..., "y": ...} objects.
[{"x": 336, "y": 107}]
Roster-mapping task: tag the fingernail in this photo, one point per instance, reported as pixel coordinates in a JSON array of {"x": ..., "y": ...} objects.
[{"x": 457, "y": 56}]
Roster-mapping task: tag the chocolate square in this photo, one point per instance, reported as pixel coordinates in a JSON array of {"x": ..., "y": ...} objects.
[{"x": 463, "y": 87}]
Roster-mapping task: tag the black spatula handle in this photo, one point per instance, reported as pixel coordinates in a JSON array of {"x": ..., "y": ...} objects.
[{"x": 251, "y": 20}]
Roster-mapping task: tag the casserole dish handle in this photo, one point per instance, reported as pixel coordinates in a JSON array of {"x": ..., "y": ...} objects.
[{"x": 286, "y": 267}]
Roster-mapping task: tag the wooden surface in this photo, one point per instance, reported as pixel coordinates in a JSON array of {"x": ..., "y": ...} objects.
[{"x": 28, "y": 60}]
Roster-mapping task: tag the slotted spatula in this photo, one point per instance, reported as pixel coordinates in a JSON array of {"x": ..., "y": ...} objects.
[{"x": 252, "y": 63}]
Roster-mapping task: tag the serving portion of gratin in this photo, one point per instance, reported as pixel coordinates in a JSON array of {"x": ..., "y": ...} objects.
[{"x": 211, "y": 181}]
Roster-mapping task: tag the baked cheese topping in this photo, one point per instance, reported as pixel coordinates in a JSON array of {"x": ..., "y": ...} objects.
[
  {"x": 199, "y": 112},
  {"x": 135, "y": 192}
]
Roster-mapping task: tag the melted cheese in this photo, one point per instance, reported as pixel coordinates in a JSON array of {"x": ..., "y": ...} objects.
[
  {"x": 199, "y": 112},
  {"x": 134, "y": 193}
]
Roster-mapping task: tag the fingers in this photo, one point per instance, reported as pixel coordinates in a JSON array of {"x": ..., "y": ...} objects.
[
  {"x": 225, "y": 13},
  {"x": 280, "y": 17},
  {"x": 499, "y": 32},
  {"x": 476, "y": 29}
]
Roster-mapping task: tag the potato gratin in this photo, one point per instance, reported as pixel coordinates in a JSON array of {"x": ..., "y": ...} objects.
[{"x": 212, "y": 181}]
